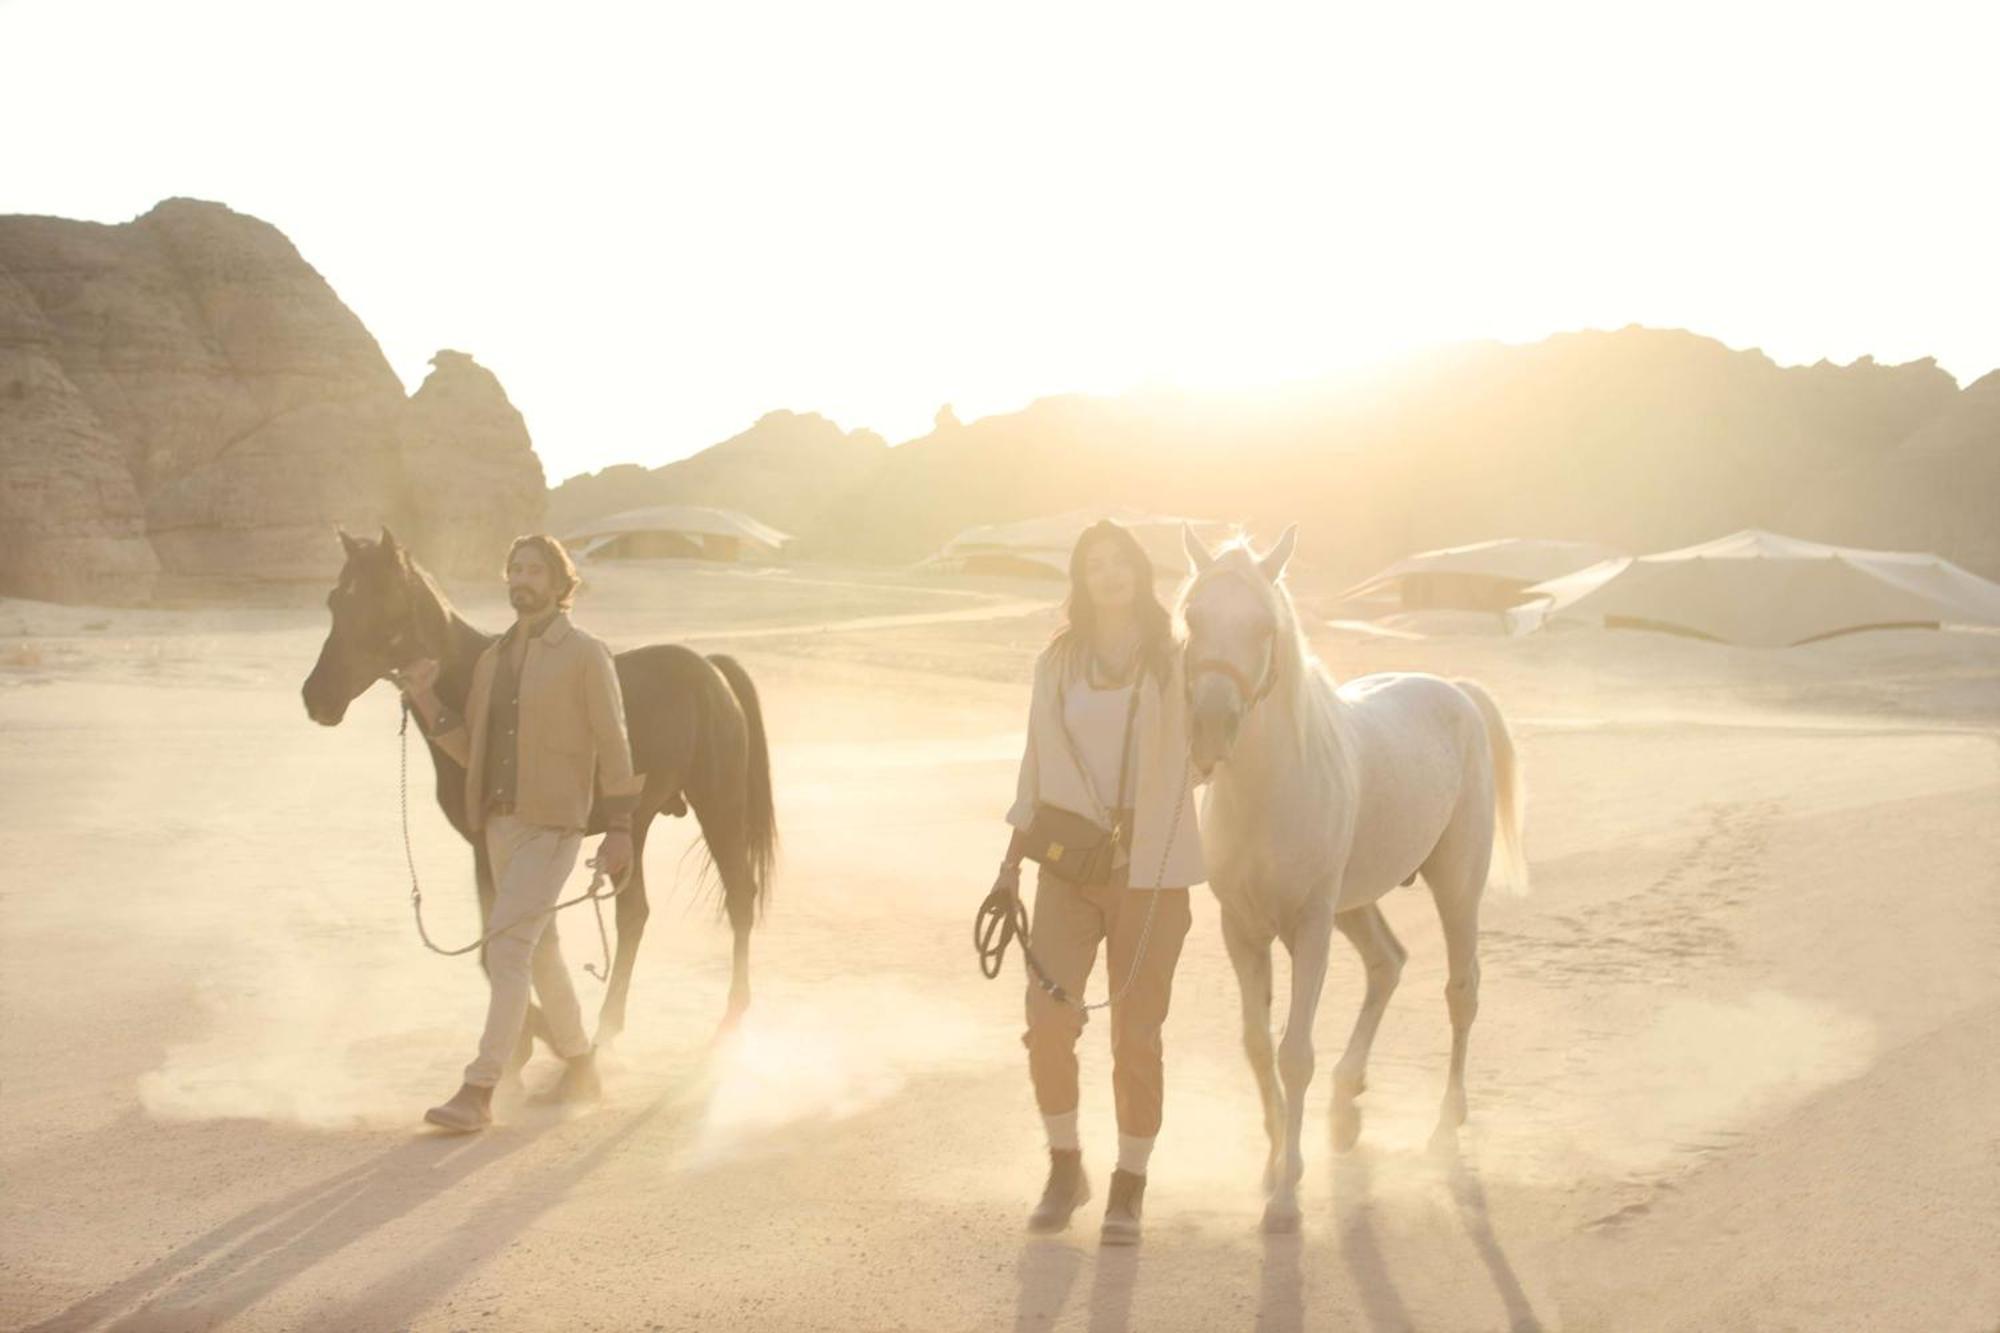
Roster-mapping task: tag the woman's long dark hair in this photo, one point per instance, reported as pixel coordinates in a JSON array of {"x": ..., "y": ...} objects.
[{"x": 1156, "y": 625}]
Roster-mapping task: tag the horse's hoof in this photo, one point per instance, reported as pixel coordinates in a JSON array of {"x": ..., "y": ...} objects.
[
  {"x": 1346, "y": 1126},
  {"x": 1444, "y": 1142},
  {"x": 1281, "y": 1220}
]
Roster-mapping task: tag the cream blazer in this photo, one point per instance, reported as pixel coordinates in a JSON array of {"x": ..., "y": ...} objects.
[{"x": 1161, "y": 777}]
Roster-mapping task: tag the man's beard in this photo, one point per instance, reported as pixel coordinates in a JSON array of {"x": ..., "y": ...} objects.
[{"x": 528, "y": 600}]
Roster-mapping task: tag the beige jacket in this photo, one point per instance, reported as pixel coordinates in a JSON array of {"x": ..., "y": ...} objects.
[
  {"x": 1162, "y": 777},
  {"x": 572, "y": 730}
]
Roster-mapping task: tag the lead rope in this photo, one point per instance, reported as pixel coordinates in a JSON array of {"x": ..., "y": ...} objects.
[
  {"x": 594, "y": 895},
  {"x": 1002, "y": 917}
]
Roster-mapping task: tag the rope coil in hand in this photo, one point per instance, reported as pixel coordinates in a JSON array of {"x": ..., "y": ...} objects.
[{"x": 1002, "y": 916}]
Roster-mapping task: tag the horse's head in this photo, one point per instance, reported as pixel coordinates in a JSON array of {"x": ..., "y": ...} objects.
[
  {"x": 1235, "y": 617},
  {"x": 377, "y": 626}
]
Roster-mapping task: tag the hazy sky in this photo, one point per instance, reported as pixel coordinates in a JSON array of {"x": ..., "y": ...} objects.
[{"x": 658, "y": 222}]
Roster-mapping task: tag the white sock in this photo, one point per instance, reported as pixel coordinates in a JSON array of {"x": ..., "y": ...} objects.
[
  {"x": 1133, "y": 1154},
  {"x": 1062, "y": 1132}
]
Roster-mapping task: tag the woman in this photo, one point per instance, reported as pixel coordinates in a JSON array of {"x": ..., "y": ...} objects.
[{"x": 1109, "y": 715}]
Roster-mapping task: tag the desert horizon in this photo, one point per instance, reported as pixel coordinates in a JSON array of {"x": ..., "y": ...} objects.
[{"x": 940, "y": 667}]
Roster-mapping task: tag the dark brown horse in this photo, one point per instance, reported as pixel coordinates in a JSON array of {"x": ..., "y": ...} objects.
[{"x": 696, "y": 727}]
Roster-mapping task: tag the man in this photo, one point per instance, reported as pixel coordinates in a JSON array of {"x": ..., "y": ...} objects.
[{"x": 542, "y": 718}]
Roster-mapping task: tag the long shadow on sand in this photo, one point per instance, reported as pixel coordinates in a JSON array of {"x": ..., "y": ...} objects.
[
  {"x": 1112, "y": 1288},
  {"x": 240, "y": 1262},
  {"x": 1360, "y": 1247},
  {"x": 1281, "y": 1304},
  {"x": 400, "y": 1297},
  {"x": 1048, "y": 1271},
  {"x": 1470, "y": 1196},
  {"x": 252, "y": 1254}
]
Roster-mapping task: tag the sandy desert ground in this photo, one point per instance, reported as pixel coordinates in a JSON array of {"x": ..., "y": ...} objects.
[{"x": 1735, "y": 1065}]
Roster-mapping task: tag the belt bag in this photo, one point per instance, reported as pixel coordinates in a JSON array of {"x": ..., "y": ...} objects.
[
  {"x": 1076, "y": 847},
  {"x": 1073, "y": 846}
]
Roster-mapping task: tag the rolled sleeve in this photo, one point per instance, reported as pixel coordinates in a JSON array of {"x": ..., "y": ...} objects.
[
  {"x": 448, "y": 732},
  {"x": 1028, "y": 782},
  {"x": 1027, "y": 786}
]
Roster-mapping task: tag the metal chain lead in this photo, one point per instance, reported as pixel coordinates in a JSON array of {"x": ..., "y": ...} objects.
[
  {"x": 1001, "y": 918},
  {"x": 1145, "y": 931}
]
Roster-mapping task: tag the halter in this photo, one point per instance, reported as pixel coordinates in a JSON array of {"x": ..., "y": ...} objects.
[
  {"x": 407, "y": 643},
  {"x": 1252, "y": 694}
]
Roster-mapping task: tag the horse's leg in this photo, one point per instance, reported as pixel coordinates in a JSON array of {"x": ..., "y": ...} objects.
[
  {"x": 1310, "y": 944},
  {"x": 632, "y": 911},
  {"x": 724, "y": 828},
  {"x": 739, "y": 897},
  {"x": 1456, "y": 873},
  {"x": 1382, "y": 955},
  {"x": 1251, "y": 957}
]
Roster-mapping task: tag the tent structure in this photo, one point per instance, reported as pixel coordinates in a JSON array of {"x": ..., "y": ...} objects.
[
  {"x": 1485, "y": 576},
  {"x": 674, "y": 531},
  {"x": 1765, "y": 590},
  {"x": 1040, "y": 547}
]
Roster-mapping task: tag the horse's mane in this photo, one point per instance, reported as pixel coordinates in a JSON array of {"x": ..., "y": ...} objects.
[
  {"x": 441, "y": 631},
  {"x": 1303, "y": 685}
]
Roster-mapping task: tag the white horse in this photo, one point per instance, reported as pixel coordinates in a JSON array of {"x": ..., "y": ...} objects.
[{"x": 1321, "y": 799}]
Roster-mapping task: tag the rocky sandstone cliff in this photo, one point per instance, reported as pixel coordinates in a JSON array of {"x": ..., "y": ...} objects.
[{"x": 183, "y": 396}]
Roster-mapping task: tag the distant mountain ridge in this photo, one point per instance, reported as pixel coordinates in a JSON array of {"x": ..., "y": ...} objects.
[
  {"x": 1640, "y": 438},
  {"x": 782, "y": 470}
]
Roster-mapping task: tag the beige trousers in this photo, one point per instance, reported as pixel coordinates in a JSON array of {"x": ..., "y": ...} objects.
[
  {"x": 530, "y": 865},
  {"x": 1070, "y": 921}
]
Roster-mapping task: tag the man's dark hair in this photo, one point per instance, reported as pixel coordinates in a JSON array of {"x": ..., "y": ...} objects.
[{"x": 558, "y": 561}]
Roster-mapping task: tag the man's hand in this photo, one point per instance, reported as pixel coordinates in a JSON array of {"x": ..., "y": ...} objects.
[
  {"x": 614, "y": 854},
  {"x": 418, "y": 678},
  {"x": 1009, "y": 878}
]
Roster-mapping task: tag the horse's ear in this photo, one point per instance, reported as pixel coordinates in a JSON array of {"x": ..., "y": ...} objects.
[
  {"x": 1273, "y": 564},
  {"x": 1199, "y": 559},
  {"x": 389, "y": 544},
  {"x": 348, "y": 541}
]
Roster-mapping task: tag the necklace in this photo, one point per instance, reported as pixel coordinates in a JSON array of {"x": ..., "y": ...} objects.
[{"x": 1105, "y": 675}]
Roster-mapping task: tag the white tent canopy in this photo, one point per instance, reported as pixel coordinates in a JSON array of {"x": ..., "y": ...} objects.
[
  {"x": 1042, "y": 545},
  {"x": 683, "y": 520},
  {"x": 1766, "y": 590},
  {"x": 1481, "y": 573}
]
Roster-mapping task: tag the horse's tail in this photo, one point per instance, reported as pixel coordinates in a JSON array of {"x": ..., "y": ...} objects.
[
  {"x": 760, "y": 812},
  {"x": 1509, "y": 792}
]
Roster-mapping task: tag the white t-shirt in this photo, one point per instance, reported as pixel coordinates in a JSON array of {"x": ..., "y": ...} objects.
[
  {"x": 1096, "y": 722},
  {"x": 1166, "y": 835}
]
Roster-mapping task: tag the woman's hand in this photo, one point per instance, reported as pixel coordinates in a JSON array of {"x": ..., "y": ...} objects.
[{"x": 1009, "y": 878}]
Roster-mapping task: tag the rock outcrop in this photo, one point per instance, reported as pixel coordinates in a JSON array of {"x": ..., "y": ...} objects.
[
  {"x": 184, "y": 396},
  {"x": 70, "y": 516},
  {"x": 472, "y": 472}
]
